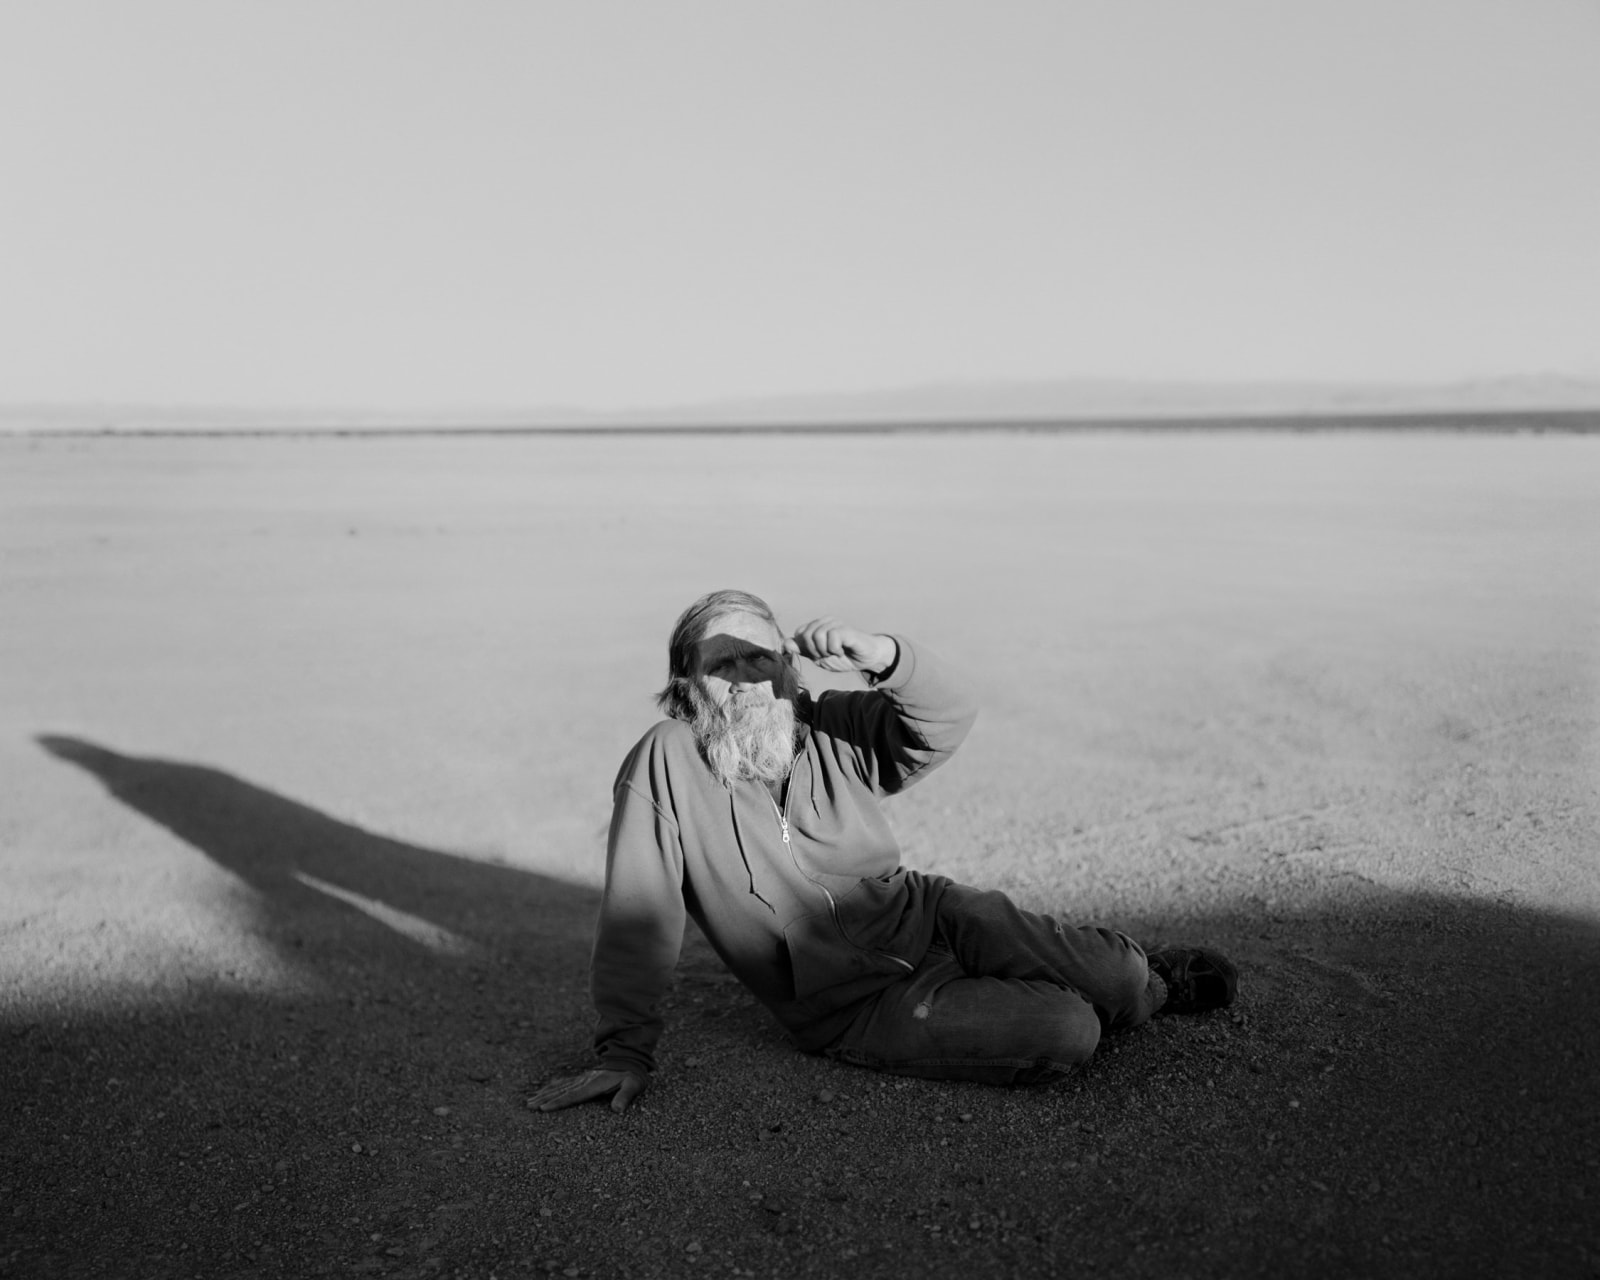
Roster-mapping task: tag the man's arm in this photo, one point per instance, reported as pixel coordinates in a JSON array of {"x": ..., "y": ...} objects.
[
  {"x": 919, "y": 713},
  {"x": 636, "y": 944}
]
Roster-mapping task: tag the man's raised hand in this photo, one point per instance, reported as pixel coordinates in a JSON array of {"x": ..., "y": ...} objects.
[
  {"x": 571, "y": 1090},
  {"x": 836, "y": 646}
]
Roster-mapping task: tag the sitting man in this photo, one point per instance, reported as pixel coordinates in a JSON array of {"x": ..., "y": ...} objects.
[{"x": 757, "y": 809}]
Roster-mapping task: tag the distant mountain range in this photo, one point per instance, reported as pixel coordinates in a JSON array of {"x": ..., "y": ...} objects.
[
  {"x": 945, "y": 403},
  {"x": 1104, "y": 398}
]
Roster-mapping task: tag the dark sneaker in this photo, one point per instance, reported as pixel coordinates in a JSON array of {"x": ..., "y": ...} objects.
[{"x": 1197, "y": 979}]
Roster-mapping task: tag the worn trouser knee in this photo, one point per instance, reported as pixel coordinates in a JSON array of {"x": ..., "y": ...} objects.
[
  {"x": 1120, "y": 990},
  {"x": 1074, "y": 1035}
]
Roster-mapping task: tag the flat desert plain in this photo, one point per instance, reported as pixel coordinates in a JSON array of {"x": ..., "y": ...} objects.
[{"x": 307, "y": 745}]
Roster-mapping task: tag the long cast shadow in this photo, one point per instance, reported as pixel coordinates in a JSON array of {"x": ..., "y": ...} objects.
[{"x": 329, "y": 882}]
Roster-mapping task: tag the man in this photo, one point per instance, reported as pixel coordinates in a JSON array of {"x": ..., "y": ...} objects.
[{"x": 756, "y": 809}]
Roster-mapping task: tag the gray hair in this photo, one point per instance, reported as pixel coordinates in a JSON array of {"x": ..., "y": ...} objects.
[{"x": 692, "y": 625}]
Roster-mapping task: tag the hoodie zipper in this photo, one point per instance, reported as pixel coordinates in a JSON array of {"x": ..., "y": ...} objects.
[{"x": 783, "y": 828}]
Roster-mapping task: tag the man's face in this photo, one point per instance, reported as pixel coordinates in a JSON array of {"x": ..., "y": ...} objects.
[{"x": 745, "y": 658}]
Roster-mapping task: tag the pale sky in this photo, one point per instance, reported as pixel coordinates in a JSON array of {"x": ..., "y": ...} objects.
[{"x": 407, "y": 204}]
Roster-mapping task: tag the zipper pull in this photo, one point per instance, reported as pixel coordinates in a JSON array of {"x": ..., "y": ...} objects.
[{"x": 784, "y": 823}]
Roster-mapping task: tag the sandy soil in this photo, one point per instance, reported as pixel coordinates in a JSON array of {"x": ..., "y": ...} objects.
[{"x": 306, "y": 748}]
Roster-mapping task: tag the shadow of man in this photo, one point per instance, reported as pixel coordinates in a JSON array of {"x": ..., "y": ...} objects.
[{"x": 331, "y": 892}]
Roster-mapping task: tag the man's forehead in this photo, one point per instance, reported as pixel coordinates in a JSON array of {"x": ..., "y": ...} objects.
[{"x": 747, "y": 627}]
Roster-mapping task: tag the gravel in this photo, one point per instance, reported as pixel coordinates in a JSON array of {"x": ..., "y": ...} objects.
[{"x": 1298, "y": 1132}]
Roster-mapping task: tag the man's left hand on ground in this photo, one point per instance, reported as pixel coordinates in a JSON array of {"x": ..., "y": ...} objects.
[
  {"x": 836, "y": 646},
  {"x": 571, "y": 1090}
]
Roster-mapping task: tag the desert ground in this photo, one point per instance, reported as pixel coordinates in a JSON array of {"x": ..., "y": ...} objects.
[{"x": 307, "y": 745}]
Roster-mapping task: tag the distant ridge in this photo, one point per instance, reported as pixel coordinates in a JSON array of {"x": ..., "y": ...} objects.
[
  {"x": 1059, "y": 405},
  {"x": 1101, "y": 399}
]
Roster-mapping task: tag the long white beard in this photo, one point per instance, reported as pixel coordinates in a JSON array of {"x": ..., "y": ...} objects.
[{"x": 745, "y": 738}]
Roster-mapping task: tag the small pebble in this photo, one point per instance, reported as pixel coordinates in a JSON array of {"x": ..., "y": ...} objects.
[
  {"x": 692, "y": 1247},
  {"x": 441, "y": 1111},
  {"x": 965, "y": 1117},
  {"x": 825, "y": 1095}
]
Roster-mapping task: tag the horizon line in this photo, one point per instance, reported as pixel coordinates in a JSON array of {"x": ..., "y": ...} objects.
[{"x": 1579, "y": 421}]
